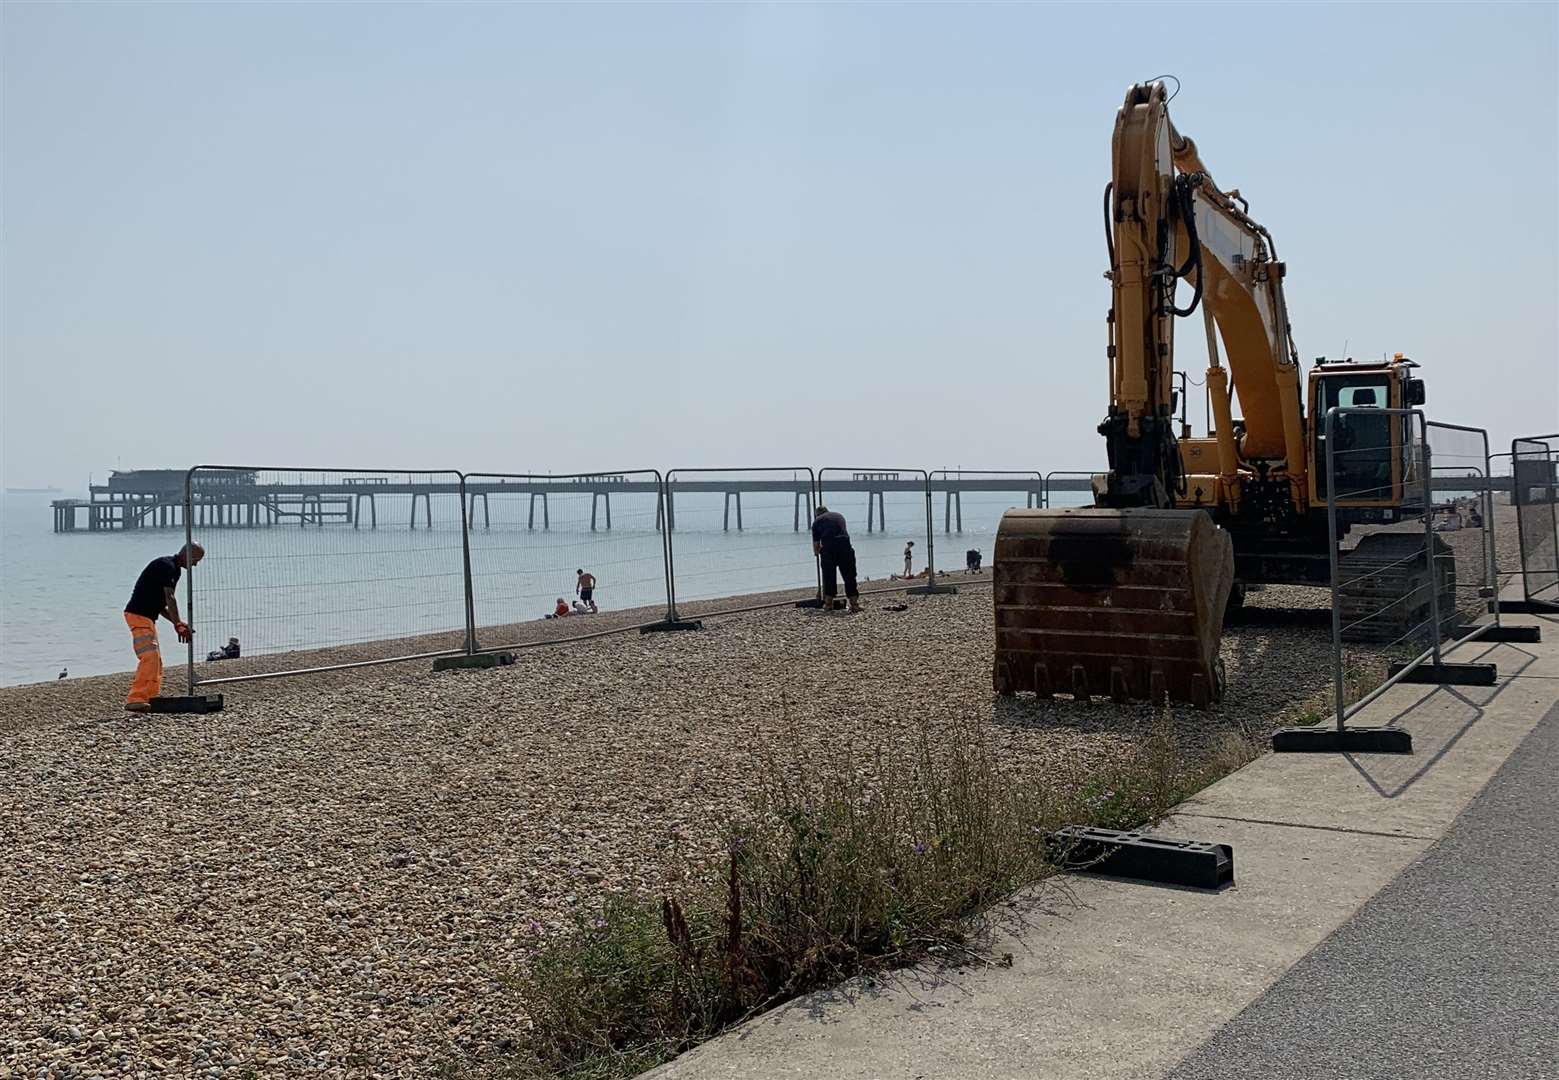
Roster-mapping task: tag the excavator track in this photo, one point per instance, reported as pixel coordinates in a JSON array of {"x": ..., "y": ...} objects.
[
  {"x": 1383, "y": 591},
  {"x": 1124, "y": 603}
]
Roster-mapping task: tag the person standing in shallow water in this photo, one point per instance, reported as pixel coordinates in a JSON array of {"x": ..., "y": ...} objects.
[
  {"x": 155, "y": 595},
  {"x": 831, "y": 543},
  {"x": 909, "y": 558}
]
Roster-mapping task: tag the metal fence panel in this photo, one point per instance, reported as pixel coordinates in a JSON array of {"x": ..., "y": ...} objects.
[
  {"x": 886, "y": 509},
  {"x": 1463, "y": 516},
  {"x": 981, "y": 496},
  {"x": 534, "y": 537},
  {"x": 1377, "y": 476},
  {"x": 738, "y": 533},
  {"x": 1535, "y": 493},
  {"x": 1069, "y": 487},
  {"x": 310, "y": 562}
]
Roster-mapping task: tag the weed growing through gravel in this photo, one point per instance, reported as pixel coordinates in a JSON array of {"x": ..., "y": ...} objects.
[{"x": 836, "y": 867}]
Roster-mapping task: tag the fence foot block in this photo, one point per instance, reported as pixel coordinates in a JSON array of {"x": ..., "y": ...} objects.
[
  {"x": 1526, "y": 634},
  {"x": 814, "y": 602},
  {"x": 475, "y": 660},
  {"x": 1159, "y": 859},
  {"x": 931, "y": 590},
  {"x": 199, "y": 703},
  {"x": 1448, "y": 674},
  {"x": 671, "y": 626},
  {"x": 1328, "y": 740}
]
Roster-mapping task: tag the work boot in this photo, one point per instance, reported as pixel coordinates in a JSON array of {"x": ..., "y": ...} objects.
[
  {"x": 138, "y": 706},
  {"x": 855, "y": 606}
]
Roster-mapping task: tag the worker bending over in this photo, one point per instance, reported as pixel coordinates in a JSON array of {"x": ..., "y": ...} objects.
[
  {"x": 831, "y": 542},
  {"x": 154, "y": 595}
]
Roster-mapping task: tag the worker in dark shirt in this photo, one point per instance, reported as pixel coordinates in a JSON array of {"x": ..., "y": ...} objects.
[
  {"x": 831, "y": 542},
  {"x": 154, "y": 596}
]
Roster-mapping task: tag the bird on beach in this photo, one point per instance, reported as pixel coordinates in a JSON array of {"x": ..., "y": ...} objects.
[{"x": 64, "y": 672}]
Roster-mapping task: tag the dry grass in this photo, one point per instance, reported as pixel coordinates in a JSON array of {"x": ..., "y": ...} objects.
[{"x": 831, "y": 869}]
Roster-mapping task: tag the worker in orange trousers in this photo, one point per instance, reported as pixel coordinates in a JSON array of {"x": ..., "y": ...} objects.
[{"x": 154, "y": 595}]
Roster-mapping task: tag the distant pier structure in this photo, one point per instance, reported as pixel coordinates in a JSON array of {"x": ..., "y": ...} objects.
[
  {"x": 239, "y": 499},
  {"x": 235, "y": 499}
]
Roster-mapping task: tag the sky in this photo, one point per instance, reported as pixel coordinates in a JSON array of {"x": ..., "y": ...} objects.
[{"x": 559, "y": 238}]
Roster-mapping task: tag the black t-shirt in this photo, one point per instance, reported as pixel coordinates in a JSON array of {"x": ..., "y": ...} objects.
[
  {"x": 830, "y": 528},
  {"x": 148, "y": 600}
]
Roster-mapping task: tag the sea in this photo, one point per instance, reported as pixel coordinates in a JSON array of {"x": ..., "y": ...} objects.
[{"x": 302, "y": 585}]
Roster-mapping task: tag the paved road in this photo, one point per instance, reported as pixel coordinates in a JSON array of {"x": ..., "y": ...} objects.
[{"x": 1450, "y": 972}]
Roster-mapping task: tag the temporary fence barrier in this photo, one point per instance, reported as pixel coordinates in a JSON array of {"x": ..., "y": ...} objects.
[
  {"x": 1535, "y": 494},
  {"x": 735, "y": 532},
  {"x": 320, "y": 559},
  {"x": 1006, "y": 484},
  {"x": 537, "y": 540},
  {"x": 904, "y": 495},
  {"x": 1463, "y": 517},
  {"x": 1395, "y": 586}
]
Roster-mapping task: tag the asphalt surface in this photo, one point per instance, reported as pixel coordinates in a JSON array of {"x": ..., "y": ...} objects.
[{"x": 1450, "y": 972}]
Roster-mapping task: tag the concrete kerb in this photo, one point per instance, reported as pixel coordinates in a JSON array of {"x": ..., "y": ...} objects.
[{"x": 1123, "y": 980}]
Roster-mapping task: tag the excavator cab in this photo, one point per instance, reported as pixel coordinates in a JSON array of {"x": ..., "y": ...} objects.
[{"x": 1375, "y": 457}]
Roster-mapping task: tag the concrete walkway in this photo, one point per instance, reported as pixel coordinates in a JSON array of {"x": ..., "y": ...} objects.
[{"x": 1150, "y": 982}]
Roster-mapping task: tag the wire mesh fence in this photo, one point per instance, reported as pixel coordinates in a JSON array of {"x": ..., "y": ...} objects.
[
  {"x": 733, "y": 533},
  {"x": 319, "y": 569},
  {"x": 890, "y": 518},
  {"x": 1462, "y": 516},
  {"x": 1535, "y": 494},
  {"x": 1387, "y": 588},
  {"x": 1378, "y": 494},
  {"x": 564, "y": 547},
  {"x": 316, "y": 559},
  {"x": 972, "y": 502}
]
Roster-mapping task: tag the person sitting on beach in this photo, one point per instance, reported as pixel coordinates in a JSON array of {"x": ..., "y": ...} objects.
[
  {"x": 226, "y": 652},
  {"x": 561, "y": 610},
  {"x": 580, "y": 609}
]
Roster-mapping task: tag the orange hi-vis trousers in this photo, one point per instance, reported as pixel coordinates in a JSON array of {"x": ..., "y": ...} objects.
[{"x": 148, "y": 659}]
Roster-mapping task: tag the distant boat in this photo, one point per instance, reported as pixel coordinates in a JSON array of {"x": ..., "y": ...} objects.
[{"x": 34, "y": 491}]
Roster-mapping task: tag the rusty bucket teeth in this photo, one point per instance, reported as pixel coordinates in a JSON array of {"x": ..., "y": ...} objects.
[{"x": 1127, "y": 603}]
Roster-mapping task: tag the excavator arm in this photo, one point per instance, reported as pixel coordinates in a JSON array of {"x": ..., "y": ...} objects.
[
  {"x": 1127, "y": 597},
  {"x": 1167, "y": 222}
]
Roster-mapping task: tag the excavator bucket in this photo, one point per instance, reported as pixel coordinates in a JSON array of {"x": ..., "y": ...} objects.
[{"x": 1124, "y": 603}]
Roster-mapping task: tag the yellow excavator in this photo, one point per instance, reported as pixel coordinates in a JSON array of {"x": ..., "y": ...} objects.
[{"x": 1127, "y": 597}]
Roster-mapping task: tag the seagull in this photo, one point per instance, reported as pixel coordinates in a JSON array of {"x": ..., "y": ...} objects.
[{"x": 64, "y": 672}]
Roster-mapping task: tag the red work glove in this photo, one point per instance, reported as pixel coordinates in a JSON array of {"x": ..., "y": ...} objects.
[{"x": 186, "y": 635}]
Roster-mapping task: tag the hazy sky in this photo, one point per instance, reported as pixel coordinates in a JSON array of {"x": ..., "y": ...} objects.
[{"x": 536, "y": 237}]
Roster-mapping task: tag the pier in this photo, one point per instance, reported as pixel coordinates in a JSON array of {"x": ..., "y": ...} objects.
[{"x": 235, "y": 499}]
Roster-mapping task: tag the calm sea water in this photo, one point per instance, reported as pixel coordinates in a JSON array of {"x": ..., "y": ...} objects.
[{"x": 290, "y": 587}]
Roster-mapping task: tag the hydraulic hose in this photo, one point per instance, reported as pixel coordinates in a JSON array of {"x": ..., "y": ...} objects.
[{"x": 1184, "y": 186}]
